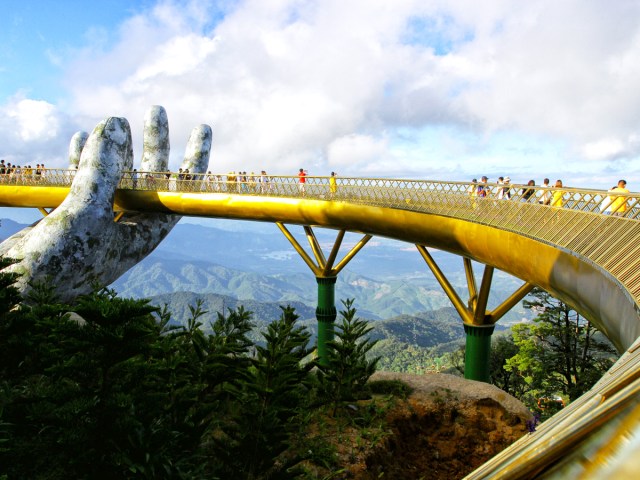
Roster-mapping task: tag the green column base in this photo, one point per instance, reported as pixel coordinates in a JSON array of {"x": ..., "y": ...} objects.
[
  {"x": 326, "y": 314},
  {"x": 477, "y": 353}
]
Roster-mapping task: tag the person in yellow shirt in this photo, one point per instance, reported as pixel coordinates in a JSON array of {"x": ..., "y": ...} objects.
[
  {"x": 333, "y": 187},
  {"x": 557, "y": 197},
  {"x": 619, "y": 204}
]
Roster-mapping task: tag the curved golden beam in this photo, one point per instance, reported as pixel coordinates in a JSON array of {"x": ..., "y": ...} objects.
[
  {"x": 587, "y": 287},
  {"x": 578, "y": 281}
]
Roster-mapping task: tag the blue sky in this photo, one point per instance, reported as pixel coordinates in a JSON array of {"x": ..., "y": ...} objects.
[
  {"x": 412, "y": 88},
  {"x": 35, "y": 34}
]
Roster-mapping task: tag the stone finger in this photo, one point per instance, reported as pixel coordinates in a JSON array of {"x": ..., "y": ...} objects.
[
  {"x": 75, "y": 147},
  {"x": 106, "y": 154},
  {"x": 155, "y": 153},
  {"x": 196, "y": 155}
]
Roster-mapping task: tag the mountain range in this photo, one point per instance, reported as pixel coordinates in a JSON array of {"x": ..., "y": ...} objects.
[{"x": 254, "y": 263}]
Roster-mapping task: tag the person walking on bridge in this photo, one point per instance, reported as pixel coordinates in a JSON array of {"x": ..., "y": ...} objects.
[
  {"x": 557, "y": 197},
  {"x": 483, "y": 189},
  {"x": 333, "y": 187},
  {"x": 619, "y": 204},
  {"x": 545, "y": 198},
  {"x": 527, "y": 193},
  {"x": 302, "y": 179}
]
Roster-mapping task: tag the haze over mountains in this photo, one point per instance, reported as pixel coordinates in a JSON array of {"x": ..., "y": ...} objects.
[
  {"x": 255, "y": 262},
  {"x": 252, "y": 263},
  {"x": 226, "y": 264}
]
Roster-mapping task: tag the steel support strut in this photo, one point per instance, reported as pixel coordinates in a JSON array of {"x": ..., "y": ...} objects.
[
  {"x": 326, "y": 276},
  {"x": 479, "y": 323}
]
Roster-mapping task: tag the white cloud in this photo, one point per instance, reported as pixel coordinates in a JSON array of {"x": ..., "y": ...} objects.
[
  {"x": 33, "y": 131},
  {"x": 360, "y": 86},
  {"x": 357, "y": 152},
  {"x": 604, "y": 148},
  {"x": 33, "y": 119}
]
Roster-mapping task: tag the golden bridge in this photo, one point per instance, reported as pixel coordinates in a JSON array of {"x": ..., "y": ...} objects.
[{"x": 582, "y": 256}]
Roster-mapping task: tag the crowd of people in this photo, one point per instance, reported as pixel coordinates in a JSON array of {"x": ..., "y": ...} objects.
[
  {"x": 9, "y": 171},
  {"x": 239, "y": 182},
  {"x": 616, "y": 203}
]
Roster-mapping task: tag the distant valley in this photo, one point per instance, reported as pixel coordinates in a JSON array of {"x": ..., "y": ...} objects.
[
  {"x": 253, "y": 263},
  {"x": 225, "y": 264}
]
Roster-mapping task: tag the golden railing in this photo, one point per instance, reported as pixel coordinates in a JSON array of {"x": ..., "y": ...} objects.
[{"x": 387, "y": 192}]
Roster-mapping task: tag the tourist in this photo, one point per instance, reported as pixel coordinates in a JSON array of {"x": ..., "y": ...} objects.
[
  {"x": 506, "y": 190},
  {"x": 302, "y": 179},
  {"x": 605, "y": 207},
  {"x": 473, "y": 188},
  {"x": 499, "y": 189},
  {"x": 265, "y": 184},
  {"x": 557, "y": 197},
  {"x": 545, "y": 198},
  {"x": 333, "y": 187},
  {"x": 482, "y": 190},
  {"x": 527, "y": 193},
  {"x": 619, "y": 205}
]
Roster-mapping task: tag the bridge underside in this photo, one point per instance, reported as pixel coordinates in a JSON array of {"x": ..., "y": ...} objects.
[
  {"x": 589, "y": 289},
  {"x": 592, "y": 291}
]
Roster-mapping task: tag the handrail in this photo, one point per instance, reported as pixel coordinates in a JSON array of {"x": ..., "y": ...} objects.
[{"x": 386, "y": 192}]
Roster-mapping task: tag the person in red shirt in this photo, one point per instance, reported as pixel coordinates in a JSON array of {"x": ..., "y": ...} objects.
[{"x": 302, "y": 174}]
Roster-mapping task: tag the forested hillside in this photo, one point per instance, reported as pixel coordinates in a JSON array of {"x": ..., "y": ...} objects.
[
  {"x": 376, "y": 299},
  {"x": 406, "y": 343}
]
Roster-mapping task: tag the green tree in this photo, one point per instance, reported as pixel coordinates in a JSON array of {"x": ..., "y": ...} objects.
[
  {"x": 269, "y": 409},
  {"x": 560, "y": 352},
  {"x": 347, "y": 371},
  {"x": 502, "y": 349},
  {"x": 105, "y": 387}
]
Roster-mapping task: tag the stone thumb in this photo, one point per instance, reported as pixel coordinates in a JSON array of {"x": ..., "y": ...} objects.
[{"x": 75, "y": 147}]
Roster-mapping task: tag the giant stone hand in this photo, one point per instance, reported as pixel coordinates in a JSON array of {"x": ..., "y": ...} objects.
[{"x": 78, "y": 245}]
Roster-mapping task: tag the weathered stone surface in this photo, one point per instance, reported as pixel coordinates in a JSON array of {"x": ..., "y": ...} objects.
[
  {"x": 79, "y": 246},
  {"x": 155, "y": 155},
  {"x": 75, "y": 147}
]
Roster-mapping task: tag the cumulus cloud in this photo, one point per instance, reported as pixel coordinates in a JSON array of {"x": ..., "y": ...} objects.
[
  {"x": 32, "y": 131},
  {"x": 352, "y": 86},
  {"x": 33, "y": 120},
  {"x": 356, "y": 152}
]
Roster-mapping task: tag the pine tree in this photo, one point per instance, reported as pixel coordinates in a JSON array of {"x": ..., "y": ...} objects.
[
  {"x": 347, "y": 371},
  {"x": 274, "y": 398}
]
